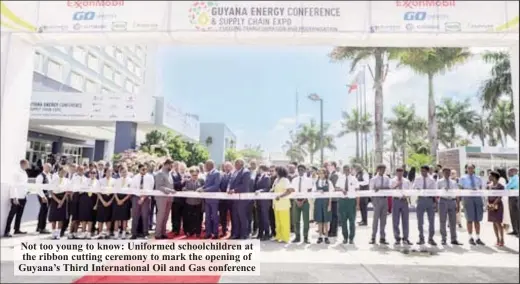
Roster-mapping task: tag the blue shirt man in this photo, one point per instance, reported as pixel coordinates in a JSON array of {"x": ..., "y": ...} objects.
[
  {"x": 513, "y": 200},
  {"x": 473, "y": 205}
]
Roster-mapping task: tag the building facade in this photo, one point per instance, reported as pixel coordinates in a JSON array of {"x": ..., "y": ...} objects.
[{"x": 218, "y": 138}]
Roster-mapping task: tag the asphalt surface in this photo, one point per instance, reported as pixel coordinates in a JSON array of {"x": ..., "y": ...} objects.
[{"x": 361, "y": 263}]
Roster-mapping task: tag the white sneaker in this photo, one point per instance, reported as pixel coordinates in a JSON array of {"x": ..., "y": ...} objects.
[
  {"x": 87, "y": 236},
  {"x": 122, "y": 235}
]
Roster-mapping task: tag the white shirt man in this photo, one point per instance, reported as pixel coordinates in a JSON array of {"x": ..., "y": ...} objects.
[
  {"x": 43, "y": 178},
  {"x": 347, "y": 206},
  {"x": 148, "y": 182},
  {"x": 301, "y": 183},
  {"x": 18, "y": 195},
  {"x": 425, "y": 204},
  {"x": 448, "y": 208},
  {"x": 353, "y": 183},
  {"x": 400, "y": 208}
]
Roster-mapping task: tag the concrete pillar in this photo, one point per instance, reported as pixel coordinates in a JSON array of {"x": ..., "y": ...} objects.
[
  {"x": 17, "y": 67},
  {"x": 57, "y": 147},
  {"x": 126, "y": 136},
  {"x": 99, "y": 150},
  {"x": 88, "y": 152},
  {"x": 514, "y": 74}
]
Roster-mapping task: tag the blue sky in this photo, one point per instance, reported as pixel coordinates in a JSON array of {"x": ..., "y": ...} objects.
[{"x": 253, "y": 88}]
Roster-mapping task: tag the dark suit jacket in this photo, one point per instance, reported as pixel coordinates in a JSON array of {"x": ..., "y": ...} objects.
[
  {"x": 224, "y": 181},
  {"x": 212, "y": 182},
  {"x": 263, "y": 184},
  {"x": 241, "y": 180},
  {"x": 177, "y": 181}
]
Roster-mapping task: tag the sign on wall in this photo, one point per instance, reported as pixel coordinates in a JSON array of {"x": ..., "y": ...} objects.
[
  {"x": 82, "y": 106},
  {"x": 179, "y": 121}
]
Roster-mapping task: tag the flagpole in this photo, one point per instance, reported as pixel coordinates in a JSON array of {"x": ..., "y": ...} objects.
[
  {"x": 365, "y": 111},
  {"x": 358, "y": 145}
]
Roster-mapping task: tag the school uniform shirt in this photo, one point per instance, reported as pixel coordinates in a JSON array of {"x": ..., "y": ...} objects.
[
  {"x": 447, "y": 185},
  {"x": 280, "y": 186},
  {"x": 19, "y": 191},
  {"x": 80, "y": 181},
  {"x": 420, "y": 183},
  {"x": 39, "y": 180},
  {"x": 108, "y": 183},
  {"x": 353, "y": 183},
  {"x": 60, "y": 185},
  {"x": 321, "y": 183},
  {"x": 379, "y": 182},
  {"x": 405, "y": 183},
  {"x": 304, "y": 186},
  {"x": 122, "y": 182},
  {"x": 148, "y": 182}
]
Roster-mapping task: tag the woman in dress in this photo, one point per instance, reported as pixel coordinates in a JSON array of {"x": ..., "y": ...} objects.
[
  {"x": 58, "y": 203},
  {"x": 503, "y": 180},
  {"x": 496, "y": 208},
  {"x": 322, "y": 206},
  {"x": 104, "y": 204},
  {"x": 121, "y": 204},
  {"x": 87, "y": 201},
  {"x": 282, "y": 206},
  {"x": 79, "y": 180}
]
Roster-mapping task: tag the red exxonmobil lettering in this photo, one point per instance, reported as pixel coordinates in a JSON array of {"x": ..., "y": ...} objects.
[
  {"x": 422, "y": 4},
  {"x": 88, "y": 4}
]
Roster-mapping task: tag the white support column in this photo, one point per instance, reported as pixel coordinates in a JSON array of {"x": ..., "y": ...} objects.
[
  {"x": 514, "y": 74},
  {"x": 17, "y": 75}
]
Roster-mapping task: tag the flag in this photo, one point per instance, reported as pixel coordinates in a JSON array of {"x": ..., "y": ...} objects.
[{"x": 358, "y": 80}]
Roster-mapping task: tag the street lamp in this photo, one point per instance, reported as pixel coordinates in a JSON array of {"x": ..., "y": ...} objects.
[{"x": 314, "y": 97}]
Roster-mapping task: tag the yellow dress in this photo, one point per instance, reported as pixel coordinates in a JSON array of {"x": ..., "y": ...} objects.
[{"x": 282, "y": 211}]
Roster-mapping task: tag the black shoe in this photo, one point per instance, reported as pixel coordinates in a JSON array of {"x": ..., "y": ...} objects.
[
  {"x": 480, "y": 243},
  {"x": 133, "y": 237},
  {"x": 406, "y": 242},
  {"x": 432, "y": 242},
  {"x": 345, "y": 241},
  {"x": 472, "y": 242},
  {"x": 214, "y": 238},
  {"x": 7, "y": 235},
  {"x": 420, "y": 242},
  {"x": 19, "y": 233},
  {"x": 235, "y": 238},
  {"x": 513, "y": 233},
  {"x": 296, "y": 240},
  {"x": 362, "y": 224},
  {"x": 327, "y": 241},
  {"x": 265, "y": 238},
  {"x": 383, "y": 242},
  {"x": 319, "y": 241},
  {"x": 350, "y": 242},
  {"x": 444, "y": 243},
  {"x": 207, "y": 237},
  {"x": 456, "y": 243},
  {"x": 44, "y": 232},
  {"x": 397, "y": 242},
  {"x": 460, "y": 226},
  {"x": 306, "y": 241},
  {"x": 372, "y": 242}
]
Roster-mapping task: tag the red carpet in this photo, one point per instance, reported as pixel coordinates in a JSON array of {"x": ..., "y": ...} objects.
[{"x": 152, "y": 279}]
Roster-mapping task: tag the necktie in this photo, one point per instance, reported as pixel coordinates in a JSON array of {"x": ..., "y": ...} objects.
[
  {"x": 300, "y": 185},
  {"x": 346, "y": 183},
  {"x": 124, "y": 182},
  {"x": 447, "y": 184},
  {"x": 382, "y": 182},
  {"x": 472, "y": 179},
  {"x": 142, "y": 182},
  {"x": 424, "y": 183},
  {"x": 91, "y": 184},
  {"x": 400, "y": 184},
  {"x": 61, "y": 180}
]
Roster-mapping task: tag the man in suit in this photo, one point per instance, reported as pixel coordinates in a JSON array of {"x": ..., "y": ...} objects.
[
  {"x": 263, "y": 184},
  {"x": 240, "y": 184},
  {"x": 224, "y": 206},
  {"x": 333, "y": 230},
  {"x": 252, "y": 210},
  {"x": 178, "y": 203},
  {"x": 211, "y": 184},
  {"x": 164, "y": 183},
  {"x": 141, "y": 203}
]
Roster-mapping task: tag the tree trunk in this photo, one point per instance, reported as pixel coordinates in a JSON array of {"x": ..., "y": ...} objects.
[
  {"x": 432, "y": 122},
  {"x": 378, "y": 105},
  {"x": 366, "y": 149},
  {"x": 404, "y": 146},
  {"x": 357, "y": 144}
]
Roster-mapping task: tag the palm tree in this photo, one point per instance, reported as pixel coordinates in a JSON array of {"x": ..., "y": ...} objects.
[
  {"x": 381, "y": 56},
  {"x": 451, "y": 115},
  {"x": 432, "y": 62},
  {"x": 500, "y": 82},
  {"x": 355, "y": 122},
  {"x": 405, "y": 121},
  {"x": 308, "y": 135},
  {"x": 502, "y": 120},
  {"x": 480, "y": 128}
]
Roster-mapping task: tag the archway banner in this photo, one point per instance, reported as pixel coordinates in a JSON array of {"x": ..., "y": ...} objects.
[{"x": 261, "y": 18}]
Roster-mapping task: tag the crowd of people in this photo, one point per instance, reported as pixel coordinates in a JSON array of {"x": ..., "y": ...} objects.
[{"x": 86, "y": 215}]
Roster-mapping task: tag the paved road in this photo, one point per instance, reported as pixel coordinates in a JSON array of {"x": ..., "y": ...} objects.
[{"x": 360, "y": 263}]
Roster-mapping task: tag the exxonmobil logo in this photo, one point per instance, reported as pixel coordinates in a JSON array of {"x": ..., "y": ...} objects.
[{"x": 90, "y": 4}]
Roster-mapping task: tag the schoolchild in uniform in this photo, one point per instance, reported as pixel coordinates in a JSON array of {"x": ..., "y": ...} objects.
[
  {"x": 78, "y": 181},
  {"x": 87, "y": 201},
  {"x": 58, "y": 202},
  {"x": 322, "y": 206},
  {"x": 121, "y": 204},
  {"x": 104, "y": 204}
]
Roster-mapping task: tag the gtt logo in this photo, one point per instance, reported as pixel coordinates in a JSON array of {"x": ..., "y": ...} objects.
[
  {"x": 84, "y": 16},
  {"x": 414, "y": 16}
]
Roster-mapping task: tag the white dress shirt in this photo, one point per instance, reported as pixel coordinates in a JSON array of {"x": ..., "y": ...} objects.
[
  {"x": 447, "y": 185},
  {"x": 19, "y": 191},
  {"x": 39, "y": 180},
  {"x": 419, "y": 183},
  {"x": 321, "y": 183},
  {"x": 306, "y": 184},
  {"x": 353, "y": 183},
  {"x": 148, "y": 182},
  {"x": 365, "y": 181},
  {"x": 406, "y": 184},
  {"x": 379, "y": 182},
  {"x": 80, "y": 181},
  {"x": 60, "y": 185}
]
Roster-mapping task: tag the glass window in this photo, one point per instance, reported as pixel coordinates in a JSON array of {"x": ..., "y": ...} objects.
[
  {"x": 131, "y": 65},
  {"x": 105, "y": 91},
  {"x": 138, "y": 71},
  {"x": 79, "y": 54},
  {"x": 76, "y": 81},
  {"x": 108, "y": 72},
  {"x": 54, "y": 70},
  {"x": 118, "y": 79},
  {"x": 61, "y": 48},
  {"x": 91, "y": 86},
  {"x": 139, "y": 52},
  {"x": 129, "y": 86},
  {"x": 38, "y": 62},
  {"x": 92, "y": 62},
  {"x": 136, "y": 89},
  {"x": 109, "y": 49},
  {"x": 119, "y": 56}
]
